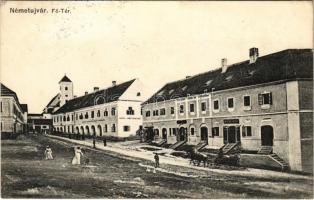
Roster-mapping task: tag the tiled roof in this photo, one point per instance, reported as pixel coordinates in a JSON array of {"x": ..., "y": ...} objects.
[
  {"x": 281, "y": 66},
  {"x": 102, "y": 96},
  {"x": 5, "y": 91},
  {"x": 52, "y": 102},
  {"x": 24, "y": 107},
  {"x": 65, "y": 79}
]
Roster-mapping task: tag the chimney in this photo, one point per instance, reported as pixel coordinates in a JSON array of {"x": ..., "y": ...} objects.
[
  {"x": 96, "y": 89},
  {"x": 253, "y": 54},
  {"x": 188, "y": 77},
  {"x": 114, "y": 83},
  {"x": 86, "y": 93},
  {"x": 224, "y": 66}
]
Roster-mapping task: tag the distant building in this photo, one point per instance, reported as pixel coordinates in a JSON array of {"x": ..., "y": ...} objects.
[
  {"x": 114, "y": 111},
  {"x": 13, "y": 114},
  {"x": 39, "y": 123},
  {"x": 261, "y": 103}
]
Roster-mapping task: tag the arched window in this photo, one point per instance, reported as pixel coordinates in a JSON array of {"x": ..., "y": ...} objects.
[
  {"x": 113, "y": 128},
  {"x": 106, "y": 113},
  {"x": 99, "y": 130},
  {"x": 105, "y": 128},
  {"x": 66, "y": 88},
  {"x": 113, "y": 111}
]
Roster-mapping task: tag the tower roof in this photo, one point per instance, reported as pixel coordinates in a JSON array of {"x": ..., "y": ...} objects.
[{"x": 65, "y": 79}]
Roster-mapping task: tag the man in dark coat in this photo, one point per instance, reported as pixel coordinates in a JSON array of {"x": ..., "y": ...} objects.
[{"x": 156, "y": 157}]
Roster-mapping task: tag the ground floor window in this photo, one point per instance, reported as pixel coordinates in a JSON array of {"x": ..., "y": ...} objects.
[
  {"x": 126, "y": 128},
  {"x": 215, "y": 131},
  {"x": 113, "y": 128},
  {"x": 247, "y": 131}
]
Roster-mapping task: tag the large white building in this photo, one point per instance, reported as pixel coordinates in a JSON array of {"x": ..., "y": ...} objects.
[{"x": 114, "y": 111}]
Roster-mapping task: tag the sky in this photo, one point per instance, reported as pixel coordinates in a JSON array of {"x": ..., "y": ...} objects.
[{"x": 157, "y": 42}]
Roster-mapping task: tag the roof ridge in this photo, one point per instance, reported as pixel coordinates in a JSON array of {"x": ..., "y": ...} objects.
[{"x": 105, "y": 88}]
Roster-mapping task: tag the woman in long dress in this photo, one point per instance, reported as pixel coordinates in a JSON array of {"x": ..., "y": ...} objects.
[
  {"x": 77, "y": 156},
  {"x": 48, "y": 153}
]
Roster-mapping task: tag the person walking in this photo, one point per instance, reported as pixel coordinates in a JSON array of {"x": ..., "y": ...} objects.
[
  {"x": 77, "y": 156},
  {"x": 94, "y": 142},
  {"x": 156, "y": 157},
  {"x": 105, "y": 142},
  {"x": 48, "y": 153}
]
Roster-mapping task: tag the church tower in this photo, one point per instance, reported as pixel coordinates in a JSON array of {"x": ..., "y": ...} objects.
[{"x": 66, "y": 90}]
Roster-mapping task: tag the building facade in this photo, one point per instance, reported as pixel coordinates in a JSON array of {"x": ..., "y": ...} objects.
[
  {"x": 114, "y": 111},
  {"x": 13, "y": 114},
  {"x": 264, "y": 101},
  {"x": 39, "y": 123}
]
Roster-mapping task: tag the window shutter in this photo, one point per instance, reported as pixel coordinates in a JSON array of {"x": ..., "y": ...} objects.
[
  {"x": 270, "y": 99},
  {"x": 243, "y": 131},
  {"x": 260, "y": 99}
]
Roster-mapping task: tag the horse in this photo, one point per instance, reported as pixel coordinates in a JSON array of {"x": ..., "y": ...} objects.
[{"x": 197, "y": 157}]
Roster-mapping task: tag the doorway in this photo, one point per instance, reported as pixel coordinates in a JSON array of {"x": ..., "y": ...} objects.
[
  {"x": 267, "y": 135},
  {"x": 204, "y": 134},
  {"x": 182, "y": 136},
  {"x": 231, "y": 134},
  {"x": 164, "y": 134}
]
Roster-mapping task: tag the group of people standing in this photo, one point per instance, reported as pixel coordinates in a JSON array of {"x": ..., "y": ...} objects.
[{"x": 76, "y": 159}]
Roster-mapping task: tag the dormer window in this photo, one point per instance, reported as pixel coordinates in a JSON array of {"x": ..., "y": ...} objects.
[
  {"x": 184, "y": 88},
  {"x": 208, "y": 82},
  {"x": 161, "y": 93},
  {"x": 171, "y": 91},
  {"x": 228, "y": 78}
]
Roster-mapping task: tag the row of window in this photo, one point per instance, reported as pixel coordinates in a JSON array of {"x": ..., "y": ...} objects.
[
  {"x": 162, "y": 111},
  {"x": 263, "y": 99},
  {"x": 246, "y": 131},
  {"x": 81, "y": 116}
]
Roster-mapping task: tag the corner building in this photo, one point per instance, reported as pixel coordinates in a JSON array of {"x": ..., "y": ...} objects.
[
  {"x": 262, "y": 102},
  {"x": 13, "y": 114}
]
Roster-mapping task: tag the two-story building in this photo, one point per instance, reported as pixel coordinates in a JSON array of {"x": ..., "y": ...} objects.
[
  {"x": 114, "y": 111},
  {"x": 13, "y": 114},
  {"x": 262, "y": 102}
]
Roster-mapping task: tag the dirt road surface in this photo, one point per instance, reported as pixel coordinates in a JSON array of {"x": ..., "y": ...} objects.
[{"x": 25, "y": 174}]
